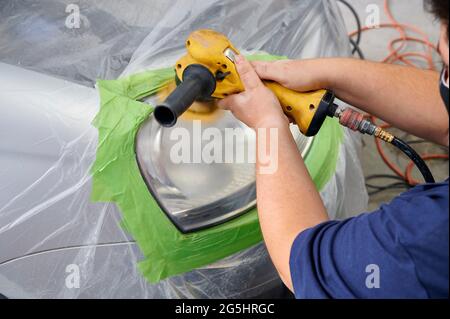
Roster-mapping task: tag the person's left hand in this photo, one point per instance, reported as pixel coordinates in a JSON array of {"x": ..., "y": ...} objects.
[{"x": 257, "y": 106}]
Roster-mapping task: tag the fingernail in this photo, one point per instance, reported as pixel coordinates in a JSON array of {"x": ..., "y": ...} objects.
[{"x": 239, "y": 59}]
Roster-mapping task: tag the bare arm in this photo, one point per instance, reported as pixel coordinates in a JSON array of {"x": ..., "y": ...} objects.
[
  {"x": 288, "y": 201},
  {"x": 405, "y": 97}
]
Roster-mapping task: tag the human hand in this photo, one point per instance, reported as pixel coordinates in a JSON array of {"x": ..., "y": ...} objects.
[
  {"x": 298, "y": 75},
  {"x": 257, "y": 106}
]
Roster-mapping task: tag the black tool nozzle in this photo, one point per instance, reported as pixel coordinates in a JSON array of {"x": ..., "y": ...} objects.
[{"x": 198, "y": 83}]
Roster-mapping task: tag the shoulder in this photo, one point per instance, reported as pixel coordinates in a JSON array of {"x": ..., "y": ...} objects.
[
  {"x": 421, "y": 212},
  {"x": 419, "y": 221},
  {"x": 407, "y": 239}
]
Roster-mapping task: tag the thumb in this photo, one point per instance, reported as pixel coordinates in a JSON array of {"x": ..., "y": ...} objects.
[{"x": 248, "y": 76}]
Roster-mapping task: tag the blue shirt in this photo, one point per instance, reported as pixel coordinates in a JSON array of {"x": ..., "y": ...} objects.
[{"x": 399, "y": 251}]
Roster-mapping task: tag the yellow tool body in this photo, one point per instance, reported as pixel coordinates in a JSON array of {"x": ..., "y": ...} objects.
[
  {"x": 207, "y": 47},
  {"x": 213, "y": 51}
]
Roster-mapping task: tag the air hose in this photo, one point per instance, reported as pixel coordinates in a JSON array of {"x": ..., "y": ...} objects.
[
  {"x": 356, "y": 121},
  {"x": 416, "y": 158}
]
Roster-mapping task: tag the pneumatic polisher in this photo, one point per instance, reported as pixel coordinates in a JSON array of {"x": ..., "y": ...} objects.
[{"x": 208, "y": 72}]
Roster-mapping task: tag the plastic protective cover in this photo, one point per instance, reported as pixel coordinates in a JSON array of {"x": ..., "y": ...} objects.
[
  {"x": 50, "y": 230},
  {"x": 117, "y": 178}
]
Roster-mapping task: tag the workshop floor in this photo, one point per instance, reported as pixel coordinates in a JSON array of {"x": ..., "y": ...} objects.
[{"x": 374, "y": 44}]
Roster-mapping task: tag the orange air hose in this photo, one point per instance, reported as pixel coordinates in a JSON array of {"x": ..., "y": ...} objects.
[{"x": 396, "y": 55}]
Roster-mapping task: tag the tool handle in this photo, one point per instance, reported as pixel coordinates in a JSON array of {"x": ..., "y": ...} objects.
[
  {"x": 197, "y": 83},
  {"x": 308, "y": 110}
]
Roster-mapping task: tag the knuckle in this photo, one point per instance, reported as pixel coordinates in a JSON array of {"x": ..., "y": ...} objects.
[
  {"x": 261, "y": 68},
  {"x": 282, "y": 72}
]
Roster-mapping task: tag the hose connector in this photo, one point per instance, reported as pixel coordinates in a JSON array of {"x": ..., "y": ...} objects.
[
  {"x": 356, "y": 121},
  {"x": 384, "y": 135}
]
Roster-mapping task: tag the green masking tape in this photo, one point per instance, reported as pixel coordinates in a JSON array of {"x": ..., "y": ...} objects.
[{"x": 117, "y": 178}]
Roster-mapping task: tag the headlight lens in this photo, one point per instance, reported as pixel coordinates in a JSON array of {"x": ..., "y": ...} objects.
[{"x": 199, "y": 195}]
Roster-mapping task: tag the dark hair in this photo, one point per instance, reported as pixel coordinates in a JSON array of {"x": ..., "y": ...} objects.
[{"x": 440, "y": 9}]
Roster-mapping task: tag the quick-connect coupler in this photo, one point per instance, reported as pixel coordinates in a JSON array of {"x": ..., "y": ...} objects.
[{"x": 356, "y": 121}]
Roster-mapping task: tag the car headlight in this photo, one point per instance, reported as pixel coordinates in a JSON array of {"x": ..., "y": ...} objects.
[{"x": 199, "y": 195}]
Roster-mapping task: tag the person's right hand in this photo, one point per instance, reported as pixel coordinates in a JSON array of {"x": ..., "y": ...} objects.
[{"x": 298, "y": 75}]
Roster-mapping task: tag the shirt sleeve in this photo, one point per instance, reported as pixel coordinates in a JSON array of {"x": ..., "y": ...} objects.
[{"x": 361, "y": 257}]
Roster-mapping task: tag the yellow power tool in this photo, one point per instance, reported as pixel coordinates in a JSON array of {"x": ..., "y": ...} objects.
[{"x": 208, "y": 71}]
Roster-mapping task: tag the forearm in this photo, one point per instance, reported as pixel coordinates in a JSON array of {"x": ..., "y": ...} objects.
[
  {"x": 405, "y": 97},
  {"x": 288, "y": 202}
]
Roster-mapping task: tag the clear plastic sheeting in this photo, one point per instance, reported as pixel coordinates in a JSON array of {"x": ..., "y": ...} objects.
[
  {"x": 43, "y": 35},
  {"x": 55, "y": 242},
  {"x": 46, "y": 36}
]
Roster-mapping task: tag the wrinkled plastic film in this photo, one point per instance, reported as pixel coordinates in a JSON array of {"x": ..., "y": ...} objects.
[
  {"x": 47, "y": 220},
  {"x": 117, "y": 178}
]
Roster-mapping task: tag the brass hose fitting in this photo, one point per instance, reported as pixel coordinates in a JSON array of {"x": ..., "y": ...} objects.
[{"x": 384, "y": 135}]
